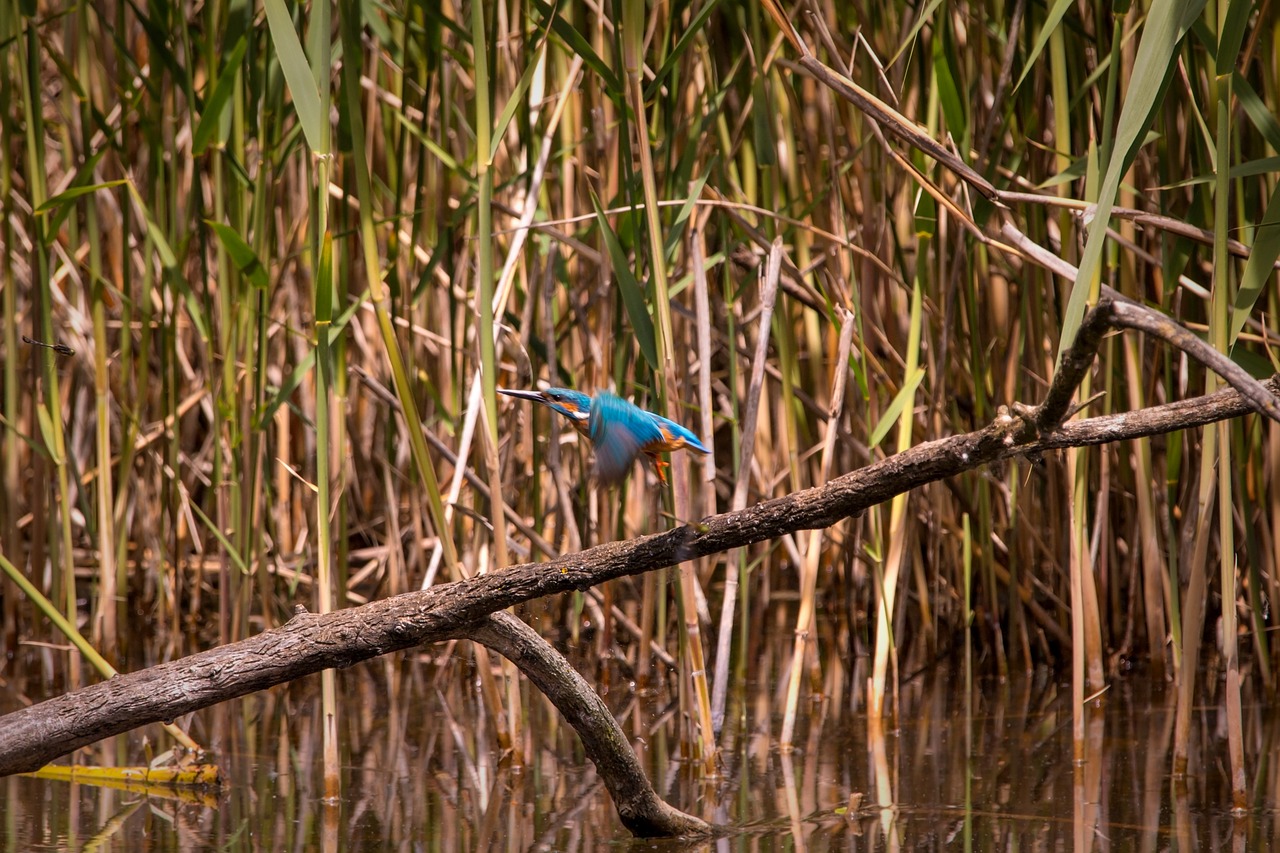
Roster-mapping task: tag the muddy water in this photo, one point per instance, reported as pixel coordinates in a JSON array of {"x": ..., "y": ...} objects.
[{"x": 987, "y": 769}]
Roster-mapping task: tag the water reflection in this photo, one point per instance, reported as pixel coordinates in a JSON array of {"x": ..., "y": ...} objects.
[{"x": 987, "y": 770}]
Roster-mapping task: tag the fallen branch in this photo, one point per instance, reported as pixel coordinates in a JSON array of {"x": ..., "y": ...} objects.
[{"x": 309, "y": 643}]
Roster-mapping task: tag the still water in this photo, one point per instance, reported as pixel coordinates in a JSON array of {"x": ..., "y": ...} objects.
[{"x": 987, "y": 769}]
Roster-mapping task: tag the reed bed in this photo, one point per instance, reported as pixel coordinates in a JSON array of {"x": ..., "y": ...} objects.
[{"x": 293, "y": 251}]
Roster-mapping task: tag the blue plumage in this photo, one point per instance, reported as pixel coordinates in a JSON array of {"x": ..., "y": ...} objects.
[{"x": 619, "y": 431}]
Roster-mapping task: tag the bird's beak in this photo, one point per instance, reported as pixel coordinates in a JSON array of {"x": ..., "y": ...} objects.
[{"x": 536, "y": 396}]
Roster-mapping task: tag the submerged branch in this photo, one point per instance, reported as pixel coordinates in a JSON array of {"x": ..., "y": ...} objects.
[{"x": 642, "y": 811}]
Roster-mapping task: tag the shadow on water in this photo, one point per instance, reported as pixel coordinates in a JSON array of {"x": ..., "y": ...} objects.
[{"x": 991, "y": 770}]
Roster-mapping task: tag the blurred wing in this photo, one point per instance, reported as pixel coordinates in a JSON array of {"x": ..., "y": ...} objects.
[
  {"x": 619, "y": 432},
  {"x": 676, "y": 436}
]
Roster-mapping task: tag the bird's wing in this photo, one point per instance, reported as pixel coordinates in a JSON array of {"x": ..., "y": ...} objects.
[
  {"x": 676, "y": 436},
  {"x": 619, "y": 432}
]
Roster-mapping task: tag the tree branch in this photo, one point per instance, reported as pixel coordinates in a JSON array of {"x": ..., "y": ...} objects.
[
  {"x": 642, "y": 811},
  {"x": 308, "y": 643}
]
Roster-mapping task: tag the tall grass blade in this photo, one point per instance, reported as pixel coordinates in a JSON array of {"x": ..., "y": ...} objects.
[
  {"x": 630, "y": 290},
  {"x": 216, "y": 102},
  {"x": 1164, "y": 30},
  {"x": 1051, "y": 23},
  {"x": 1259, "y": 268},
  {"x": 297, "y": 73}
]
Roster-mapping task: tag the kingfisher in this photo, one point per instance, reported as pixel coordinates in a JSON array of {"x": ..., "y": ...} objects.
[{"x": 619, "y": 431}]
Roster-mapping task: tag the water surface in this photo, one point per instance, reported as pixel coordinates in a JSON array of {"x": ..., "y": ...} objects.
[{"x": 989, "y": 769}]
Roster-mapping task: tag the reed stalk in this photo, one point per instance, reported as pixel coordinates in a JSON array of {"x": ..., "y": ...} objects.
[
  {"x": 9, "y": 456},
  {"x": 885, "y": 647},
  {"x": 747, "y": 424},
  {"x": 1219, "y": 335},
  {"x": 104, "y": 633},
  {"x": 1193, "y": 602},
  {"x": 308, "y": 80},
  {"x": 1154, "y": 575},
  {"x": 324, "y": 494},
  {"x": 50, "y": 413},
  {"x": 1084, "y": 616},
  {"x": 806, "y": 620}
]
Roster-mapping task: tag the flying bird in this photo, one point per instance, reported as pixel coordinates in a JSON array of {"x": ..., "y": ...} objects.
[{"x": 619, "y": 431}]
